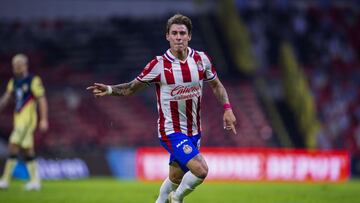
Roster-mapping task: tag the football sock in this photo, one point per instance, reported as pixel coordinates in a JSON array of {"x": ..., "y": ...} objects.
[
  {"x": 187, "y": 185},
  {"x": 32, "y": 169},
  {"x": 8, "y": 170},
  {"x": 166, "y": 187}
]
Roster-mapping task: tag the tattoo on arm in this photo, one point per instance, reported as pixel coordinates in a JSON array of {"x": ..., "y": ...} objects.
[
  {"x": 122, "y": 89},
  {"x": 126, "y": 89},
  {"x": 220, "y": 93}
]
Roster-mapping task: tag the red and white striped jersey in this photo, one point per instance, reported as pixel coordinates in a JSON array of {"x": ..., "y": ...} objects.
[{"x": 179, "y": 90}]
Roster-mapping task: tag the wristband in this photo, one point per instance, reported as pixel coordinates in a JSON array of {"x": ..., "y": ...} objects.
[
  {"x": 227, "y": 106},
  {"x": 109, "y": 90}
]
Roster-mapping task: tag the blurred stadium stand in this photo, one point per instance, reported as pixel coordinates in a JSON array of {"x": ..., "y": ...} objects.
[
  {"x": 71, "y": 53},
  {"x": 326, "y": 43},
  {"x": 325, "y": 38}
]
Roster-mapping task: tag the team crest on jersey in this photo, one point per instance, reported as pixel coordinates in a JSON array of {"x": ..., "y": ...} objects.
[
  {"x": 25, "y": 88},
  {"x": 200, "y": 66},
  {"x": 187, "y": 149}
]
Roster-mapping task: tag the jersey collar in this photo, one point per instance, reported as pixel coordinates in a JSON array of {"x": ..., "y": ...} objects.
[{"x": 169, "y": 56}]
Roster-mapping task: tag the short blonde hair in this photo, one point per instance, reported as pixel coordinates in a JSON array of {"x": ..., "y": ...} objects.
[{"x": 22, "y": 58}]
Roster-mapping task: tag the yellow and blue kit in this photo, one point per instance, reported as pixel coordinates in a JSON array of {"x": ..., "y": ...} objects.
[{"x": 25, "y": 91}]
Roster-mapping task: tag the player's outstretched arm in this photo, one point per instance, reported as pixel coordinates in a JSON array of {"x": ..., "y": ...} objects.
[
  {"x": 221, "y": 94},
  {"x": 4, "y": 100},
  {"x": 124, "y": 89}
]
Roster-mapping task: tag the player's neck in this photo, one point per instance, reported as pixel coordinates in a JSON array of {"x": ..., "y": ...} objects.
[
  {"x": 21, "y": 75},
  {"x": 181, "y": 55}
]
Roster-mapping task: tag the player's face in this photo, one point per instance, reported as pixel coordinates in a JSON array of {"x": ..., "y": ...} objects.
[
  {"x": 19, "y": 67},
  {"x": 178, "y": 37}
]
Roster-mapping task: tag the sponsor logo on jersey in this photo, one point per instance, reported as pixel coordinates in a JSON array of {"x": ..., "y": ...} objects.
[
  {"x": 182, "y": 142},
  {"x": 183, "y": 90}
]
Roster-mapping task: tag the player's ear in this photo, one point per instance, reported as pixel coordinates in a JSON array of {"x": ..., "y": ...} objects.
[{"x": 189, "y": 37}]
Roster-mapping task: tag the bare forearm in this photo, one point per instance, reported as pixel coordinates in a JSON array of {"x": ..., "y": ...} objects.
[
  {"x": 43, "y": 108},
  {"x": 220, "y": 93},
  {"x": 4, "y": 100},
  {"x": 122, "y": 89},
  {"x": 2, "y": 105},
  {"x": 126, "y": 89},
  {"x": 222, "y": 96}
]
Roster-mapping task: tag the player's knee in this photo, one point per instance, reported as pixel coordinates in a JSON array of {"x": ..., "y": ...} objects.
[
  {"x": 201, "y": 171},
  {"x": 198, "y": 167},
  {"x": 13, "y": 149},
  {"x": 204, "y": 172},
  {"x": 175, "y": 178}
]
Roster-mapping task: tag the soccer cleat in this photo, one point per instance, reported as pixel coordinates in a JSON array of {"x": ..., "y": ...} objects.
[
  {"x": 4, "y": 184},
  {"x": 172, "y": 199},
  {"x": 35, "y": 185}
]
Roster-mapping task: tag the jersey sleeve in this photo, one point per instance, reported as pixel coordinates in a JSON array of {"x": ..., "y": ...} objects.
[
  {"x": 10, "y": 86},
  {"x": 209, "y": 69},
  {"x": 37, "y": 87},
  {"x": 151, "y": 72}
]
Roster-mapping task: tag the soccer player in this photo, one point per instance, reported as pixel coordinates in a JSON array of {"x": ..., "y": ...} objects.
[
  {"x": 28, "y": 91},
  {"x": 178, "y": 76}
]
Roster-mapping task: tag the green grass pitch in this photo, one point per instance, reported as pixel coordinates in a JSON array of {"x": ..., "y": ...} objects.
[{"x": 107, "y": 190}]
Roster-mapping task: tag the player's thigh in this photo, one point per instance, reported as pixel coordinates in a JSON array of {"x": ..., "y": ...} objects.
[
  {"x": 181, "y": 147},
  {"x": 23, "y": 136},
  {"x": 175, "y": 173},
  {"x": 198, "y": 166},
  {"x": 28, "y": 142},
  {"x": 16, "y": 136}
]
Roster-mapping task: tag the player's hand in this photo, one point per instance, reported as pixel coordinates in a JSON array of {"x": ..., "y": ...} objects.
[
  {"x": 229, "y": 120},
  {"x": 98, "y": 89},
  {"x": 43, "y": 125}
]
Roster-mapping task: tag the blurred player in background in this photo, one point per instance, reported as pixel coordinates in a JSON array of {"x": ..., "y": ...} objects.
[
  {"x": 178, "y": 76},
  {"x": 28, "y": 91}
]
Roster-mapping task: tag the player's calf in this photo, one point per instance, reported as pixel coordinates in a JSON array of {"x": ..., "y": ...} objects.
[
  {"x": 8, "y": 170},
  {"x": 166, "y": 187},
  {"x": 188, "y": 185},
  {"x": 193, "y": 178}
]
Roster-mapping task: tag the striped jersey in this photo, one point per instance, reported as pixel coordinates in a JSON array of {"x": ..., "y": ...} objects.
[{"x": 179, "y": 90}]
